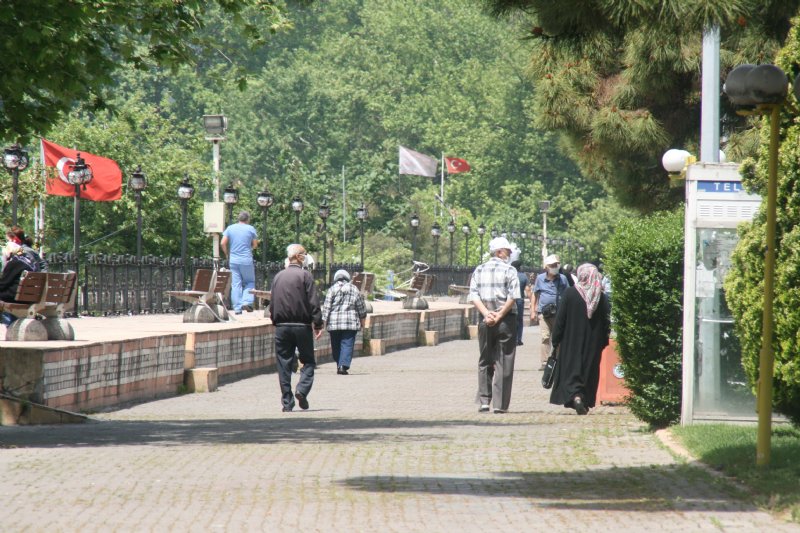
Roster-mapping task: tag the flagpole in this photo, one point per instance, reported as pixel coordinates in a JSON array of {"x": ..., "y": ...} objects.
[
  {"x": 441, "y": 185},
  {"x": 344, "y": 209},
  {"x": 40, "y": 234}
]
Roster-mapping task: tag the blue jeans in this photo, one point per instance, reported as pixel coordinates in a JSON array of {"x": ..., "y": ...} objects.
[
  {"x": 7, "y": 318},
  {"x": 243, "y": 278},
  {"x": 342, "y": 342}
]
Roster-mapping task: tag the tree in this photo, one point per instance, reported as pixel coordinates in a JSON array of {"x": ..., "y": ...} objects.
[
  {"x": 744, "y": 284},
  {"x": 56, "y": 53},
  {"x": 621, "y": 78}
]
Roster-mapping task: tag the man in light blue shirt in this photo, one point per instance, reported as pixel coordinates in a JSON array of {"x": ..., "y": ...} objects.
[{"x": 238, "y": 242}]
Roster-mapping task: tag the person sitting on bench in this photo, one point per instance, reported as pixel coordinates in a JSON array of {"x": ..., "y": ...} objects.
[{"x": 16, "y": 261}]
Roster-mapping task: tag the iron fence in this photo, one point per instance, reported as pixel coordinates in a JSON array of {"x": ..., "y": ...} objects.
[{"x": 112, "y": 284}]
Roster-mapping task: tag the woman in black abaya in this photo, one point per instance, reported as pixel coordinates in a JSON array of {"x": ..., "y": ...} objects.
[{"x": 580, "y": 333}]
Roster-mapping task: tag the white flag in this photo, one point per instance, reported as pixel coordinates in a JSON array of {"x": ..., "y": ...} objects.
[{"x": 417, "y": 164}]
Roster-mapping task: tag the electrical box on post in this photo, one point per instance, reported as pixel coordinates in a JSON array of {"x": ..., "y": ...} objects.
[{"x": 213, "y": 217}]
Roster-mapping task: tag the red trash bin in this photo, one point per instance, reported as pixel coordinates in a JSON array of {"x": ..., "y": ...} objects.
[{"x": 611, "y": 388}]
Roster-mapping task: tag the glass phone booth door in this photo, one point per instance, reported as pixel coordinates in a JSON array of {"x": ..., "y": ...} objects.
[{"x": 714, "y": 383}]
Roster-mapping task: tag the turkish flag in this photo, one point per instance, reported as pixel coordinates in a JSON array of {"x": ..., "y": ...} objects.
[
  {"x": 456, "y": 165},
  {"x": 106, "y": 184}
]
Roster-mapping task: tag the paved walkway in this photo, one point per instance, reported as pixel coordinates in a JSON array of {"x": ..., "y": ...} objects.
[{"x": 396, "y": 446}]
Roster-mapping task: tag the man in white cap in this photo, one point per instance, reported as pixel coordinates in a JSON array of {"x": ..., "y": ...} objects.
[
  {"x": 547, "y": 291},
  {"x": 493, "y": 290}
]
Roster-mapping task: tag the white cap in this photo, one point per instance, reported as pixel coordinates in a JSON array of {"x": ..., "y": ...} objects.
[
  {"x": 499, "y": 243},
  {"x": 552, "y": 259}
]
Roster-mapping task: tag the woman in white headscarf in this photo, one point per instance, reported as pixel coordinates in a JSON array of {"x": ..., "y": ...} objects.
[
  {"x": 581, "y": 331},
  {"x": 343, "y": 313}
]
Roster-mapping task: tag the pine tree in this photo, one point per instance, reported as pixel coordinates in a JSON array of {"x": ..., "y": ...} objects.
[{"x": 621, "y": 78}]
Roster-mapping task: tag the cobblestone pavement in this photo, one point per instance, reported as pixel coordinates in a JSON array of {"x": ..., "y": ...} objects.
[{"x": 398, "y": 445}]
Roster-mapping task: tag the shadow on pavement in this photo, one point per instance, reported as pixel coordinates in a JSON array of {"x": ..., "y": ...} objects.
[
  {"x": 292, "y": 428},
  {"x": 647, "y": 488}
]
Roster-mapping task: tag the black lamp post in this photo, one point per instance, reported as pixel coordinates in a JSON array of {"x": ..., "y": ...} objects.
[
  {"x": 138, "y": 183},
  {"x": 466, "y": 230},
  {"x": 523, "y": 235},
  {"x": 15, "y": 159},
  {"x": 324, "y": 212},
  {"x": 297, "y": 207},
  {"x": 436, "y": 232},
  {"x": 451, "y": 229},
  {"x": 361, "y": 215},
  {"x": 231, "y": 197},
  {"x": 185, "y": 193},
  {"x": 265, "y": 201},
  {"x": 481, "y": 233},
  {"x": 414, "y": 230},
  {"x": 80, "y": 175}
]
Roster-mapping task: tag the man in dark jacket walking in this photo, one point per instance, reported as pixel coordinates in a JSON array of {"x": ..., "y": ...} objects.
[{"x": 295, "y": 310}]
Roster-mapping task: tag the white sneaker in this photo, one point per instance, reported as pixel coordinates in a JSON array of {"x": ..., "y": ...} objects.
[
  {"x": 499, "y": 411},
  {"x": 484, "y": 408}
]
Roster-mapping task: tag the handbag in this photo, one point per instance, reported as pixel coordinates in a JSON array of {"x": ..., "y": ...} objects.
[
  {"x": 549, "y": 374},
  {"x": 549, "y": 310}
]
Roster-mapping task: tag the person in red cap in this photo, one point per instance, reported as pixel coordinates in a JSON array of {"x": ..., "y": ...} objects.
[{"x": 493, "y": 290}]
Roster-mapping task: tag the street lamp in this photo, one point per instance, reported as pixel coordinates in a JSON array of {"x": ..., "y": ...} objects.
[
  {"x": 494, "y": 233},
  {"x": 215, "y": 126},
  {"x": 265, "y": 201},
  {"x": 466, "y": 230},
  {"x": 361, "y": 215},
  {"x": 481, "y": 233},
  {"x": 185, "y": 193},
  {"x": 297, "y": 207},
  {"x": 436, "y": 232},
  {"x": 414, "y": 230},
  {"x": 231, "y": 197},
  {"x": 523, "y": 235},
  {"x": 138, "y": 183},
  {"x": 80, "y": 175},
  {"x": 514, "y": 235},
  {"x": 451, "y": 229},
  {"x": 544, "y": 207},
  {"x": 324, "y": 211},
  {"x": 765, "y": 87},
  {"x": 15, "y": 159}
]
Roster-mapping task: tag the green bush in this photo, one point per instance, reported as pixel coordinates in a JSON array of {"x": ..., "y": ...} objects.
[{"x": 644, "y": 260}]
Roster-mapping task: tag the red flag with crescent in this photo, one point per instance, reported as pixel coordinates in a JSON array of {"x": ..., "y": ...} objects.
[
  {"x": 456, "y": 165},
  {"x": 106, "y": 184}
]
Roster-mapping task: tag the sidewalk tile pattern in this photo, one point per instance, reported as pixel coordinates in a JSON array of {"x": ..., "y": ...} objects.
[{"x": 396, "y": 446}]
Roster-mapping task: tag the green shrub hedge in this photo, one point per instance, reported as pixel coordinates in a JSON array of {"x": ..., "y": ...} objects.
[{"x": 644, "y": 260}]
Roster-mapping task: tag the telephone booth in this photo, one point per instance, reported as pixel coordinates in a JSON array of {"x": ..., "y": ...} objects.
[{"x": 714, "y": 383}]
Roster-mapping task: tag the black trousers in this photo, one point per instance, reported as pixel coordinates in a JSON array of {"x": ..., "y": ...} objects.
[{"x": 287, "y": 339}]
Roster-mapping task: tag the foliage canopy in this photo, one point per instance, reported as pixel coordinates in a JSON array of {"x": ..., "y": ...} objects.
[{"x": 621, "y": 78}]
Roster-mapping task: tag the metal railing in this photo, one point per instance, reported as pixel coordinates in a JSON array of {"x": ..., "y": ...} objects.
[{"x": 112, "y": 284}]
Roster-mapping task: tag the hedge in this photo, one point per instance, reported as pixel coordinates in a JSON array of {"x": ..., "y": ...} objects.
[{"x": 644, "y": 260}]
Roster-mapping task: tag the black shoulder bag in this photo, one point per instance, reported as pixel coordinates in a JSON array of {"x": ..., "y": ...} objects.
[{"x": 549, "y": 373}]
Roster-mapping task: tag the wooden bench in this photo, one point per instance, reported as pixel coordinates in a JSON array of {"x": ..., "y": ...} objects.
[
  {"x": 264, "y": 298},
  {"x": 206, "y": 296},
  {"x": 421, "y": 284},
  {"x": 49, "y": 294},
  {"x": 461, "y": 290},
  {"x": 365, "y": 283}
]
